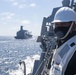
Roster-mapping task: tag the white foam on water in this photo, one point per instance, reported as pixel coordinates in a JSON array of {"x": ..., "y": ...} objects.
[{"x": 29, "y": 61}]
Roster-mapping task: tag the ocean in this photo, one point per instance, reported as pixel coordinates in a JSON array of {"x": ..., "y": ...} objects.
[{"x": 12, "y": 51}]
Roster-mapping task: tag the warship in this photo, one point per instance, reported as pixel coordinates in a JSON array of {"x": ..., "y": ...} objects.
[
  {"x": 54, "y": 60},
  {"x": 23, "y": 34}
]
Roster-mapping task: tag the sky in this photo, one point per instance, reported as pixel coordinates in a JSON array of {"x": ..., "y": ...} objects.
[{"x": 28, "y": 13}]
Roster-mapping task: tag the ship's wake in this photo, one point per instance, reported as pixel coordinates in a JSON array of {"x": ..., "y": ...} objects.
[{"x": 29, "y": 63}]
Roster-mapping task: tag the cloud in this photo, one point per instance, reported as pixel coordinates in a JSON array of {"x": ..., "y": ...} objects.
[
  {"x": 10, "y": 0},
  {"x": 7, "y": 15},
  {"x": 25, "y": 22},
  {"x": 22, "y": 5},
  {"x": 33, "y": 5},
  {"x": 15, "y": 3}
]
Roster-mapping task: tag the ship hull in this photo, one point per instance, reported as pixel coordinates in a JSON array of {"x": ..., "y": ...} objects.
[{"x": 16, "y": 37}]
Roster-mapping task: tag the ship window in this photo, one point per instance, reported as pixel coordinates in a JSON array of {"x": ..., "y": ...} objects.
[
  {"x": 72, "y": 44},
  {"x": 64, "y": 50}
]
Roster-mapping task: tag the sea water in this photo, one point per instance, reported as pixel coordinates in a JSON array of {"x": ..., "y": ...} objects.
[{"x": 12, "y": 51}]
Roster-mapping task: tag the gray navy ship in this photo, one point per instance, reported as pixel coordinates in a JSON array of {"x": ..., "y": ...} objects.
[{"x": 23, "y": 34}]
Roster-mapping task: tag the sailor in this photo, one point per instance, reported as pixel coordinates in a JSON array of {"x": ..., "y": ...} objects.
[
  {"x": 65, "y": 29},
  {"x": 65, "y": 24}
]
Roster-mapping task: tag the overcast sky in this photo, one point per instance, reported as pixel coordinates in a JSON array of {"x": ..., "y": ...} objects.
[{"x": 29, "y": 13}]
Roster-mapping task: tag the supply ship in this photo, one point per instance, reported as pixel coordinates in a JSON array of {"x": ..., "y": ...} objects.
[{"x": 23, "y": 34}]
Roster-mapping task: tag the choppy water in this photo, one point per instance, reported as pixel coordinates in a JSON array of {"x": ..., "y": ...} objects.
[{"x": 13, "y": 50}]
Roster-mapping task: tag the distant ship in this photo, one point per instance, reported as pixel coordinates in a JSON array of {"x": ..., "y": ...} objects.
[{"x": 23, "y": 34}]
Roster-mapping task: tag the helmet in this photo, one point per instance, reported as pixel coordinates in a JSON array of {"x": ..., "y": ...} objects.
[{"x": 64, "y": 14}]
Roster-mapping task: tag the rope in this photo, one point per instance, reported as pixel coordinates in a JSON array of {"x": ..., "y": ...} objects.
[{"x": 68, "y": 31}]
